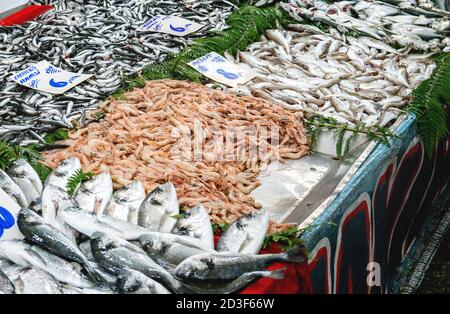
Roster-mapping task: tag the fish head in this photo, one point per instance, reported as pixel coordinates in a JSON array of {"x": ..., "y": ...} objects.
[
  {"x": 186, "y": 271},
  {"x": 163, "y": 195},
  {"x": 102, "y": 242},
  {"x": 29, "y": 217},
  {"x": 128, "y": 281},
  {"x": 18, "y": 168},
  {"x": 68, "y": 165},
  {"x": 36, "y": 206},
  {"x": 131, "y": 192}
]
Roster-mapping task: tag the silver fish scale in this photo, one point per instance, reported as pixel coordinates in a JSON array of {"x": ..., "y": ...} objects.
[{"x": 91, "y": 37}]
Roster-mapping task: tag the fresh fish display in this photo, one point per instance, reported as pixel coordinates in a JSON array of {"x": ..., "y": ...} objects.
[
  {"x": 100, "y": 38},
  {"x": 419, "y": 25},
  {"x": 245, "y": 235},
  {"x": 26, "y": 178},
  {"x": 223, "y": 266},
  {"x": 158, "y": 208},
  {"x": 103, "y": 260},
  {"x": 125, "y": 202},
  {"x": 93, "y": 196},
  {"x": 349, "y": 79},
  {"x": 171, "y": 249},
  {"x": 195, "y": 223},
  {"x": 116, "y": 254}
]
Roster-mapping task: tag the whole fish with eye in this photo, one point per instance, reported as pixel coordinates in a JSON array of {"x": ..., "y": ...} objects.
[
  {"x": 12, "y": 189},
  {"x": 222, "y": 266},
  {"x": 97, "y": 37},
  {"x": 245, "y": 235},
  {"x": 195, "y": 223},
  {"x": 93, "y": 196},
  {"x": 125, "y": 202},
  {"x": 26, "y": 178},
  {"x": 61, "y": 175},
  {"x": 158, "y": 209},
  {"x": 116, "y": 254},
  {"x": 35, "y": 229}
]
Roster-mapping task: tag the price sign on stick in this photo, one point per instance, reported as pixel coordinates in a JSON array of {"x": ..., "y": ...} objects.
[
  {"x": 45, "y": 77},
  {"x": 168, "y": 24},
  {"x": 221, "y": 70}
]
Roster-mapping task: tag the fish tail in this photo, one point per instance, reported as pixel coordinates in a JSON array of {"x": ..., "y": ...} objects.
[
  {"x": 294, "y": 255},
  {"x": 95, "y": 274}
]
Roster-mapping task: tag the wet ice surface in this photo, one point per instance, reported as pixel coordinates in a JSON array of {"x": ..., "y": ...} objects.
[{"x": 284, "y": 186}]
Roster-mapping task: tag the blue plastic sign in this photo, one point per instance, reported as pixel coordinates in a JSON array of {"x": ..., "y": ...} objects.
[
  {"x": 9, "y": 210},
  {"x": 168, "y": 24},
  {"x": 46, "y": 77},
  {"x": 221, "y": 70}
]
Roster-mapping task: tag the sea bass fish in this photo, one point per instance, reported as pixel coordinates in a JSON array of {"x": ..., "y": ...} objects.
[
  {"x": 60, "y": 175},
  {"x": 195, "y": 223},
  {"x": 26, "y": 178},
  {"x": 125, "y": 202},
  {"x": 37, "y": 230},
  {"x": 88, "y": 224},
  {"x": 229, "y": 266},
  {"x": 245, "y": 235},
  {"x": 12, "y": 189},
  {"x": 94, "y": 195},
  {"x": 116, "y": 254},
  {"x": 157, "y": 210},
  {"x": 240, "y": 282}
]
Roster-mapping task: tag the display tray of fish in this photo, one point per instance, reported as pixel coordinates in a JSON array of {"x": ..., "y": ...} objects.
[
  {"x": 350, "y": 79},
  {"x": 91, "y": 37},
  {"x": 100, "y": 241},
  {"x": 418, "y": 24}
]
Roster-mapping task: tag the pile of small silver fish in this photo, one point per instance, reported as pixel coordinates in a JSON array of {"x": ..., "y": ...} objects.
[
  {"x": 343, "y": 77},
  {"x": 102, "y": 241},
  {"x": 91, "y": 37},
  {"x": 415, "y": 24}
]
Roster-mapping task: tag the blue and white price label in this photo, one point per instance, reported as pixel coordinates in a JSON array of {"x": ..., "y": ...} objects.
[
  {"x": 221, "y": 70},
  {"x": 168, "y": 24},
  {"x": 46, "y": 77},
  {"x": 9, "y": 209}
]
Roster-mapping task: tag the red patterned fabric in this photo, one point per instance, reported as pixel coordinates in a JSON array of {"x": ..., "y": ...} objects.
[
  {"x": 25, "y": 15},
  {"x": 296, "y": 279}
]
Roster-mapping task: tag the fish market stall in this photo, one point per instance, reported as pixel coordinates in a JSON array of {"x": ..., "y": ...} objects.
[{"x": 223, "y": 147}]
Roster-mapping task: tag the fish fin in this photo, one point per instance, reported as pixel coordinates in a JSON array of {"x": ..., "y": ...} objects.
[
  {"x": 275, "y": 274},
  {"x": 295, "y": 255},
  {"x": 96, "y": 274}
]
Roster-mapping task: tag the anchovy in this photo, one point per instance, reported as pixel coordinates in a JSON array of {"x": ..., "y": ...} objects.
[{"x": 95, "y": 37}]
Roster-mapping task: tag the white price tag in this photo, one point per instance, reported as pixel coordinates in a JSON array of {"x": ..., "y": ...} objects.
[
  {"x": 9, "y": 209},
  {"x": 168, "y": 24},
  {"x": 221, "y": 70},
  {"x": 47, "y": 78}
]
